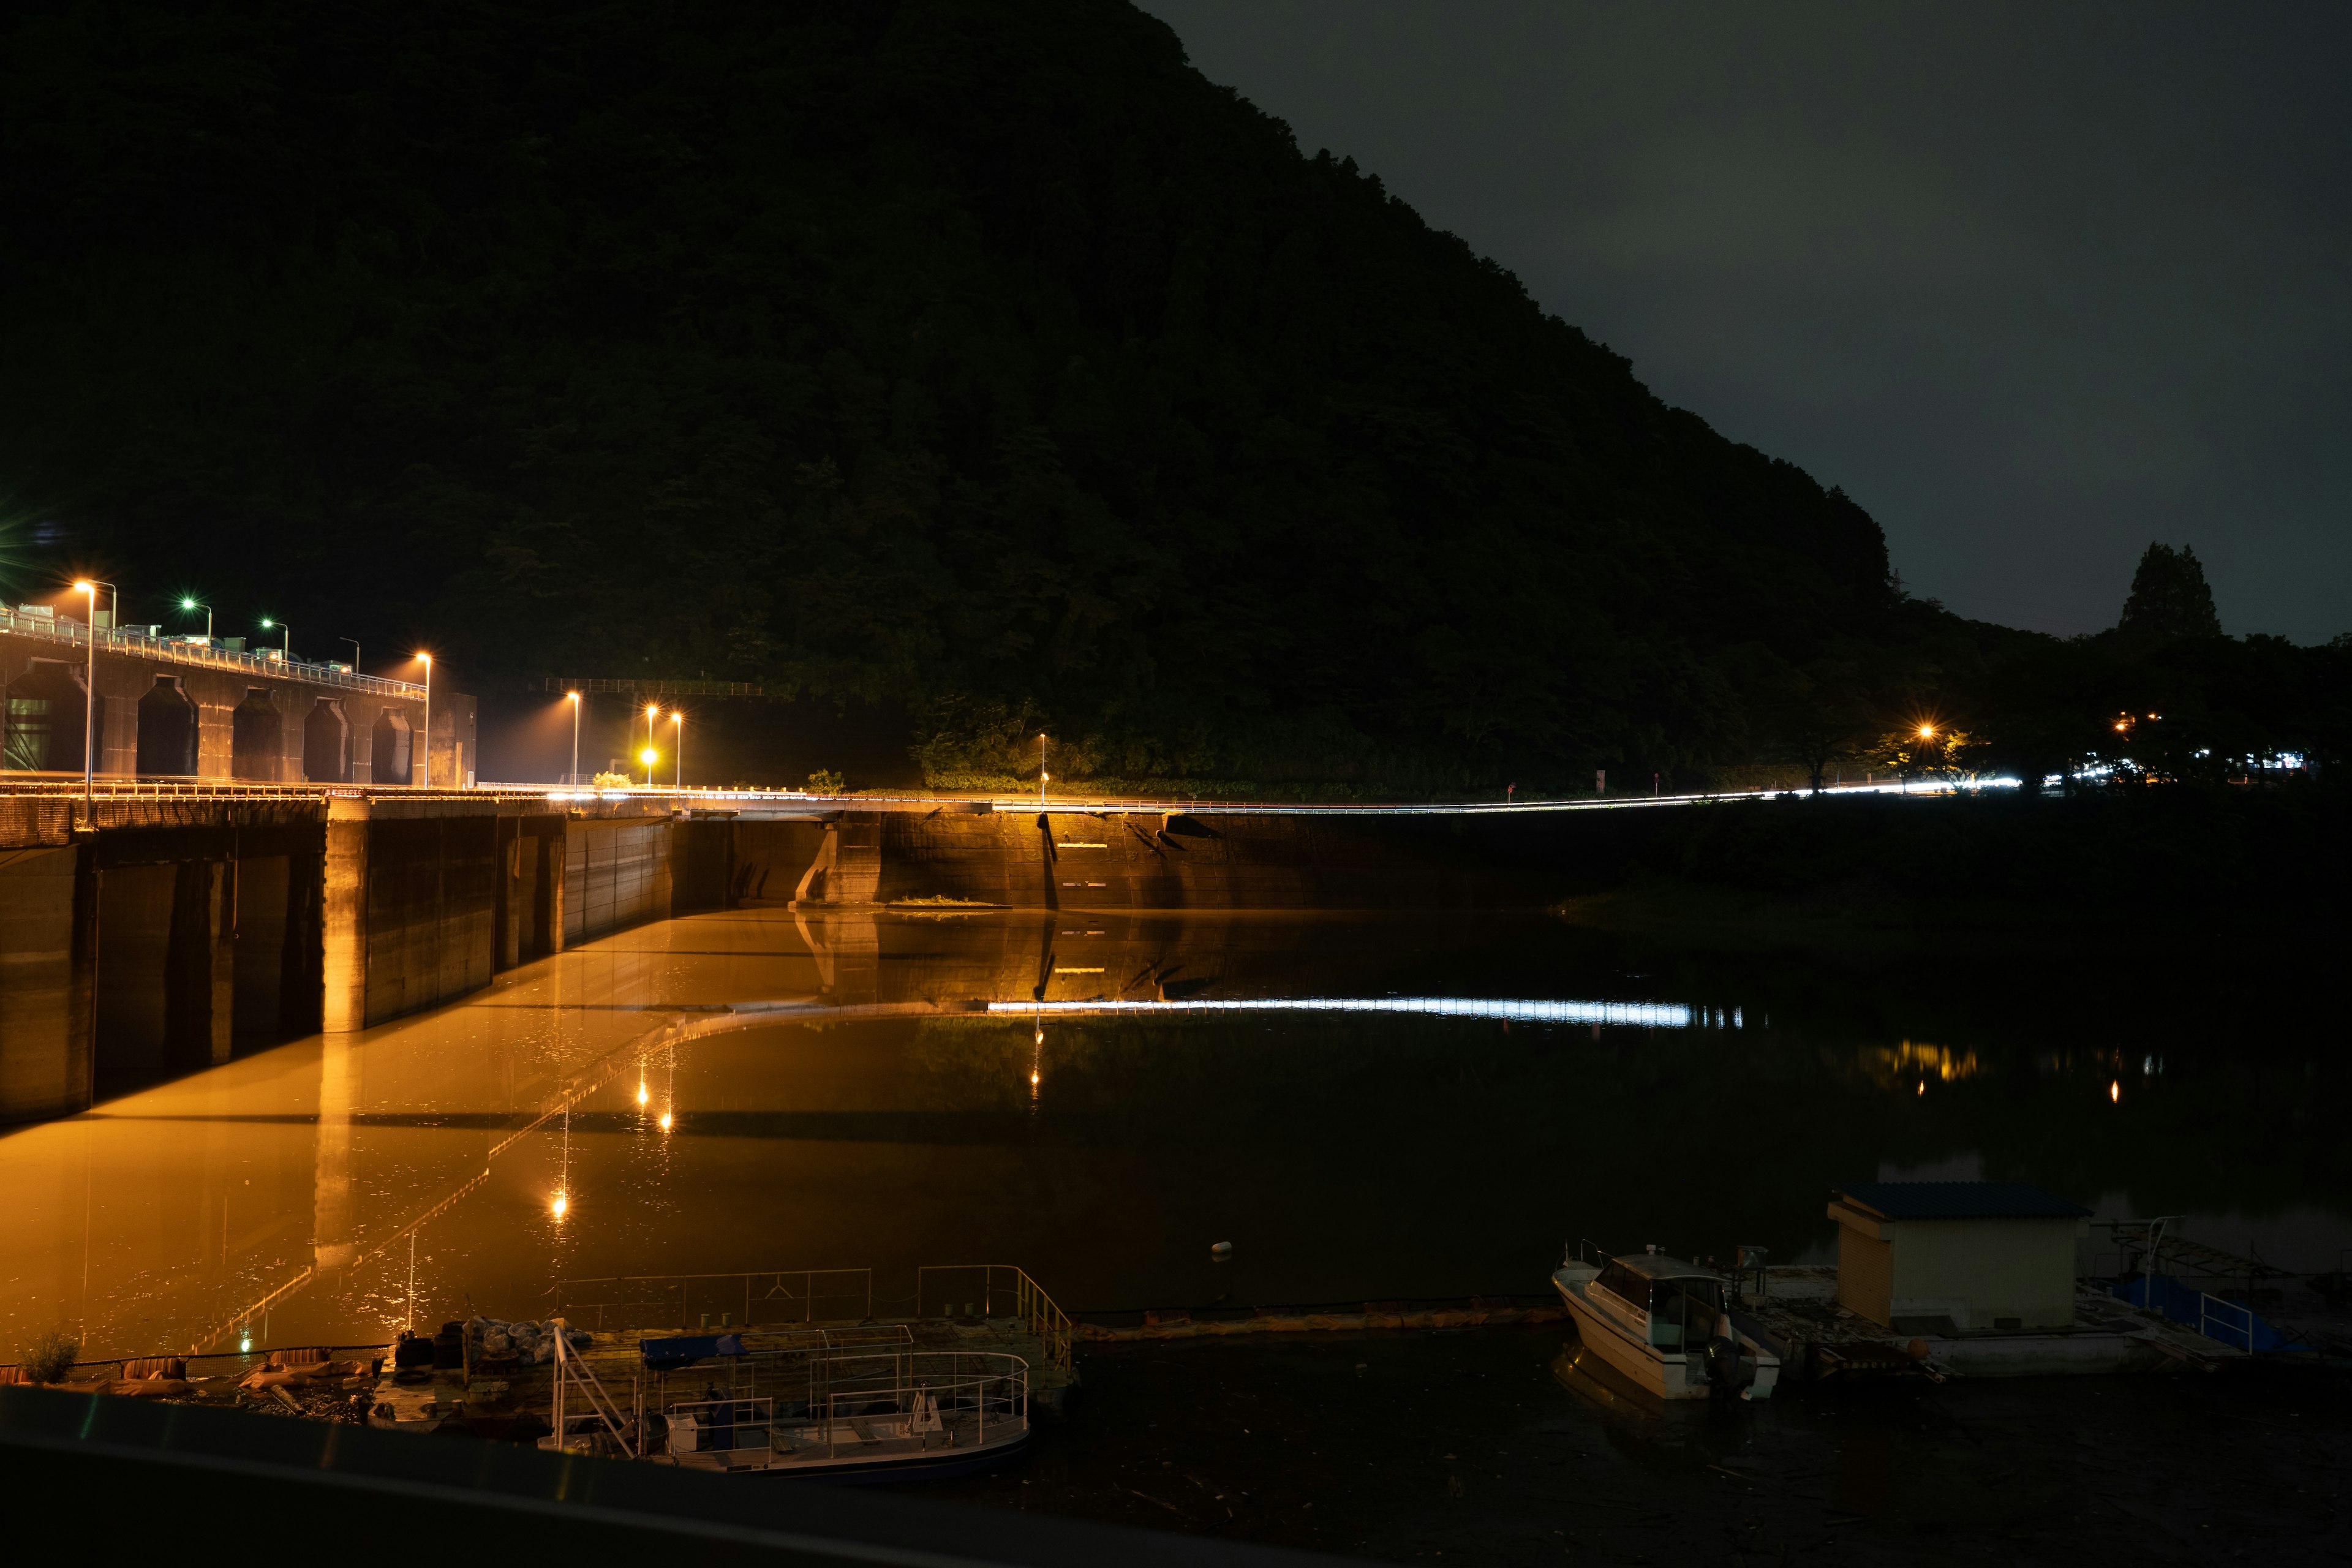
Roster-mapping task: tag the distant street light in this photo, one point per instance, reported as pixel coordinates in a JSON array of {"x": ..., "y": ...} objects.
[
  {"x": 268, "y": 624},
  {"x": 649, "y": 757},
  {"x": 429, "y": 727},
  {"x": 1042, "y": 775},
  {"x": 574, "y": 698},
  {"x": 652, "y": 712},
  {"x": 188, "y": 604},
  {"x": 678, "y": 717},
  {"x": 355, "y": 652},
  {"x": 89, "y": 698}
]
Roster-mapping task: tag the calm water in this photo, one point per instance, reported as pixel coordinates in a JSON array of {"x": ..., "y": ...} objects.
[{"x": 333, "y": 1190}]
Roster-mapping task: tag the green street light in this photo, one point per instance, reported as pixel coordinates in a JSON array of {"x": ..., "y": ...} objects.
[
  {"x": 189, "y": 604},
  {"x": 269, "y": 625}
]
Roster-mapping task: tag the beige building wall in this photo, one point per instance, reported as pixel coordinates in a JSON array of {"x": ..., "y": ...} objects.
[{"x": 1977, "y": 1272}]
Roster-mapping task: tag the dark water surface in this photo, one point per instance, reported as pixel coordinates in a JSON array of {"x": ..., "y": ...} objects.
[{"x": 1346, "y": 1154}]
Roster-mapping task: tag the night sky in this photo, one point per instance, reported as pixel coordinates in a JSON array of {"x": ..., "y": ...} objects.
[{"x": 2036, "y": 285}]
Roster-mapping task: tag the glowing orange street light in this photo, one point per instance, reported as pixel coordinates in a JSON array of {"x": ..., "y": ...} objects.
[
  {"x": 574, "y": 698},
  {"x": 652, "y": 712},
  {"x": 1926, "y": 731},
  {"x": 561, "y": 1203}
]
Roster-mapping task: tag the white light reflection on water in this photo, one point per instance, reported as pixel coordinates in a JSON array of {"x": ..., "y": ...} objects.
[{"x": 1641, "y": 1014}]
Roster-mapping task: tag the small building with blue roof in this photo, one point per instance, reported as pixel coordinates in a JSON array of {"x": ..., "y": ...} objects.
[{"x": 1966, "y": 1256}]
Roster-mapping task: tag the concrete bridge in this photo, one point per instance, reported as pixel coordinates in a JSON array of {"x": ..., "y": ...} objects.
[{"x": 193, "y": 708}]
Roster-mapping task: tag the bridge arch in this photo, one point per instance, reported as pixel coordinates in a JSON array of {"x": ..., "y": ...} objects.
[
  {"x": 43, "y": 731},
  {"x": 389, "y": 748},
  {"x": 167, "y": 730},
  {"x": 257, "y": 748},
  {"x": 326, "y": 743}
]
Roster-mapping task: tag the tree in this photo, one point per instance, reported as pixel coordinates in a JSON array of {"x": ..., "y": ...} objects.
[
  {"x": 2169, "y": 599},
  {"x": 1820, "y": 716}
]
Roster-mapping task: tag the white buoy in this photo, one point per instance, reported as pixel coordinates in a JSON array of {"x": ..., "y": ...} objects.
[{"x": 1222, "y": 1252}]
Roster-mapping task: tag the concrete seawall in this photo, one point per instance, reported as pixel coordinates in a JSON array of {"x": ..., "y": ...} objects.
[{"x": 168, "y": 935}]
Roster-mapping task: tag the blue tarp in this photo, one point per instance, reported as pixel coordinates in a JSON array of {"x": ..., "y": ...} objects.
[
  {"x": 2225, "y": 1322},
  {"x": 667, "y": 1356}
]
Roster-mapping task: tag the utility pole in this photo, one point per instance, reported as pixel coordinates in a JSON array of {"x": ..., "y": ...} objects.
[
  {"x": 574, "y": 695},
  {"x": 89, "y": 698},
  {"x": 428, "y": 726},
  {"x": 1042, "y": 775}
]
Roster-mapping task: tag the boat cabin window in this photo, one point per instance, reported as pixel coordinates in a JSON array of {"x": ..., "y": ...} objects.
[
  {"x": 1622, "y": 1282},
  {"x": 1684, "y": 1311}
]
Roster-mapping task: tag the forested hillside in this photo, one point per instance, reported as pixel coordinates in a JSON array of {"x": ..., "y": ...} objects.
[{"x": 975, "y": 357}]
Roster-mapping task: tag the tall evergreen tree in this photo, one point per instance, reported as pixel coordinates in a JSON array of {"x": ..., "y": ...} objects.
[{"x": 2169, "y": 599}]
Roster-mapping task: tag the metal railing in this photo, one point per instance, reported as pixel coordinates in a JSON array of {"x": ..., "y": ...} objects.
[
  {"x": 2225, "y": 1322},
  {"x": 74, "y": 634},
  {"x": 1010, "y": 1284},
  {"x": 870, "y": 1399},
  {"x": 847, "y": 1292}
]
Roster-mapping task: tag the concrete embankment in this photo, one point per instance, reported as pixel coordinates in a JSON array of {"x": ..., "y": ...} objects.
[
  {"x": 169, "y": 934},
  {"x": 172, "y": 934}
]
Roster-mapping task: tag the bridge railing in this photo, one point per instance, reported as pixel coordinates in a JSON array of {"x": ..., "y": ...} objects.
[{"x": 75, "y": 634}]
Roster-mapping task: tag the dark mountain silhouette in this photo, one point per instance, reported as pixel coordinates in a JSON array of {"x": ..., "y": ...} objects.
[{"x": 979, "y": 355}]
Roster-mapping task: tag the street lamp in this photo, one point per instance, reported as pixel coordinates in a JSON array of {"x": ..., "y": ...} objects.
[
  {"x": 652, "y": 712},
  {"x": 189, "y": 604},
  {"x": 1042, "y": 775},
  {"x": 90, "y": 696},
  {"x": 355, "y": 652},
  {"x": 428, "y": 725},
  {"x": 288, "y": 651},
  {"x": 649, "y": 757},
  {"x": 574, "y": 698},
  {"x": 678, "y": 717}
]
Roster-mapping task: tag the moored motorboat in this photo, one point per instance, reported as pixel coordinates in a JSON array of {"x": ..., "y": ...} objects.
[{"x": 1668, "y": 1326}]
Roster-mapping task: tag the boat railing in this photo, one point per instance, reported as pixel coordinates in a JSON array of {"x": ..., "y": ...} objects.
[
  {"x": 860, "y": 1397},
  {"x": 770, "y": 1296},
  {"x": 999, "y": 1284},
  {"x": 727, "y": 1426}
]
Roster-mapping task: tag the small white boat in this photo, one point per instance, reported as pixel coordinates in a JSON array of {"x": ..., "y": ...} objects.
[{"x": 1668, "y": 1326}]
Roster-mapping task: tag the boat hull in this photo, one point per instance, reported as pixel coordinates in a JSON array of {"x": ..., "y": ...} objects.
[{"x": 1650, "y": 1369}]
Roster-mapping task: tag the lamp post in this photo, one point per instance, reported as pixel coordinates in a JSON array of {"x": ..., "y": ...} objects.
[
  {"x": 189, "y": 604},
  {"x": 1042, "y": 775},
  {"x": 652, "y": 712},
  {"x": 678, "y": 717},
  {"x": 428, "y": 724},
  {"x": 573, "y": 697},
  {"x": 89, "y": 698},
  {"x": 355, "y": 652},
  {"x": 288, "y": 651}
]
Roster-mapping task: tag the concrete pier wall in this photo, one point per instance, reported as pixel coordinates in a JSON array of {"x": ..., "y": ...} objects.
[
  {"x": 1060, "y": 858},
  {"x": 170, "y": 935}
]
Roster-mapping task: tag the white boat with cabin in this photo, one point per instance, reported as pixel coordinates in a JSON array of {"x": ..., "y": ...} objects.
[{"x": 1669, "y": 1326}]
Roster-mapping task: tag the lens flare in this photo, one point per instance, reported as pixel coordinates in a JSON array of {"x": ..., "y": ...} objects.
[
  {"x": 664, "y": 1121},
  {"x": 561, "y": 1203}
]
